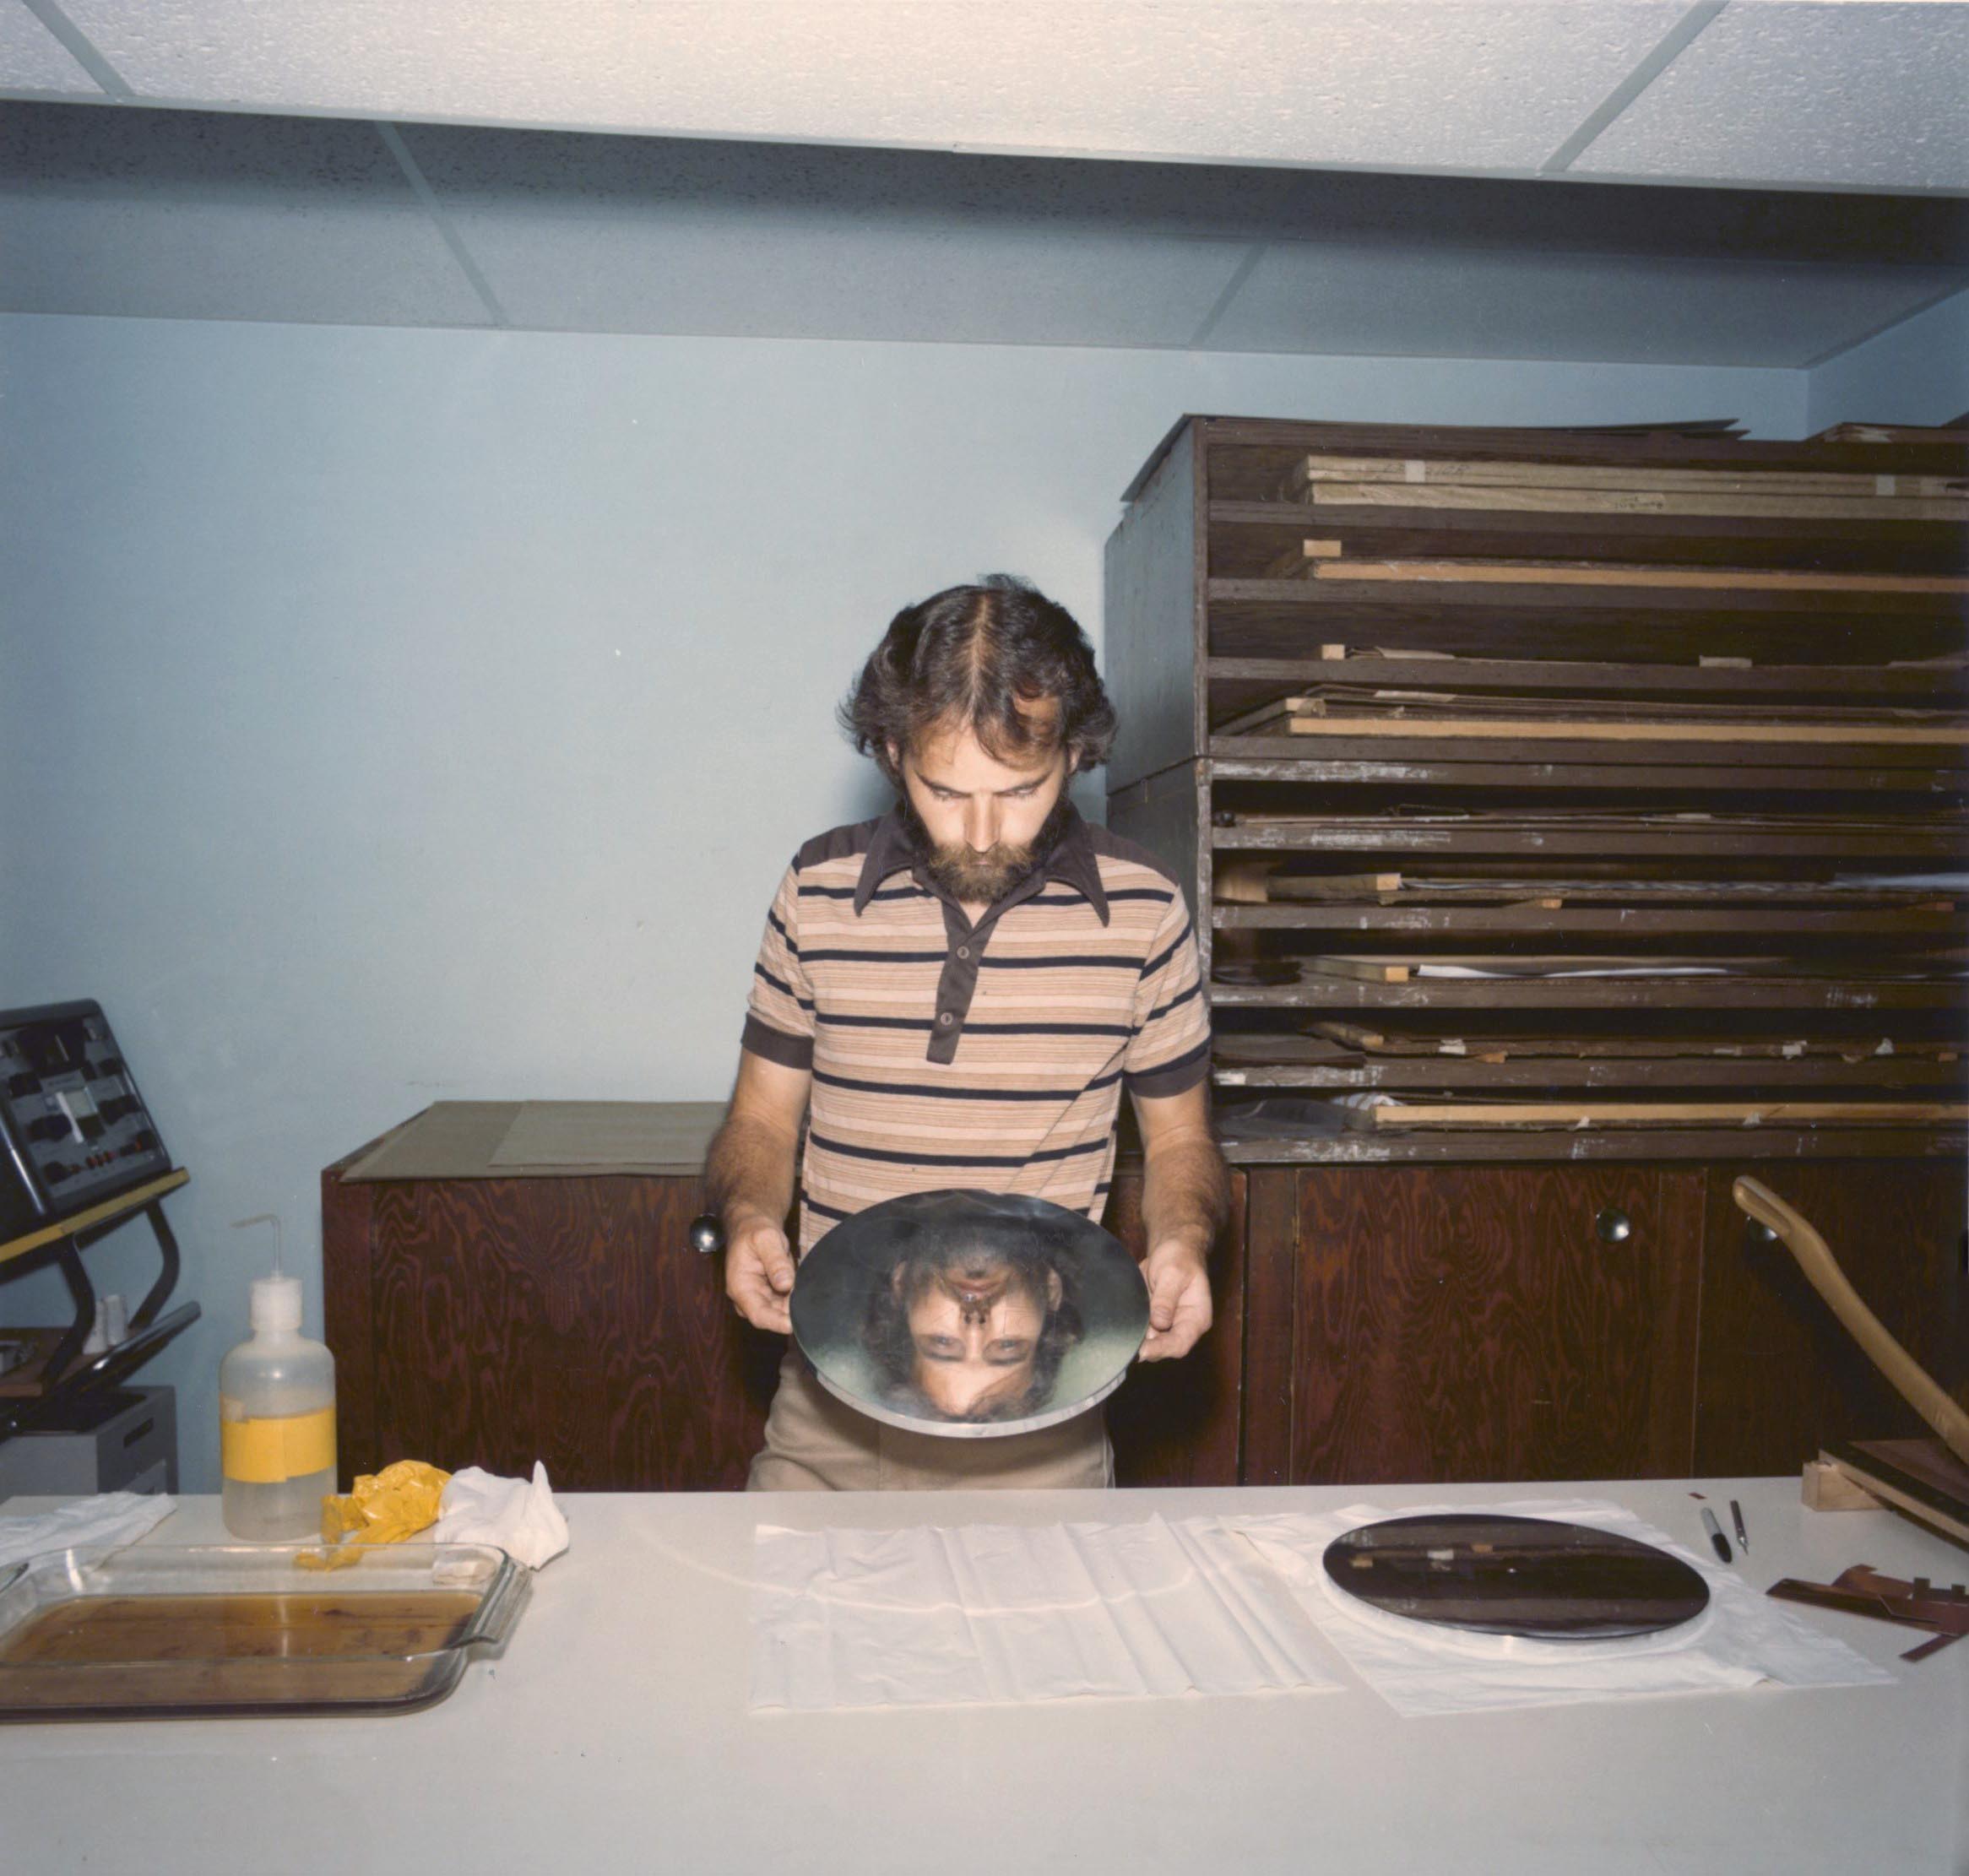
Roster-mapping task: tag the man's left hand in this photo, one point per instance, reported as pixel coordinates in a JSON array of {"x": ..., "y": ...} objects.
[{"x": 1179, "y": 1299}]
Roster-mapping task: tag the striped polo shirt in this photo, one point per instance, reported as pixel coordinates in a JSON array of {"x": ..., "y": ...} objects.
[{"x": 993, "y": 1055}]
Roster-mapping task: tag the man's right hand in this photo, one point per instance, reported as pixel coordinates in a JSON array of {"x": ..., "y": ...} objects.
[{"x": 758, "y": 1274}]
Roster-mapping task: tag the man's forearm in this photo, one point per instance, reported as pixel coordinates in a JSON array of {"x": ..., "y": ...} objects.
[
  {"x": 1185, "y": 1192},
  {"x": 748, "y": 1174}
]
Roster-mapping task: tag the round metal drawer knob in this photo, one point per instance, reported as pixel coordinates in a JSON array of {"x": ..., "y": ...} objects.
[
  {"x": 708, "y": 1233},
  {"x": 1613, "y": 1226}
]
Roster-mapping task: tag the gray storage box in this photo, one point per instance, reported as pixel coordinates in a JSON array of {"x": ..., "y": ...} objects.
[{"x": 124, "y": 1439}]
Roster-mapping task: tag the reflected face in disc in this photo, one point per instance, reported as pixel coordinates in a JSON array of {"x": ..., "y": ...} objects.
[
  {"x": 977, "y": 1322},
  {"x": 969, "y": 1314}
]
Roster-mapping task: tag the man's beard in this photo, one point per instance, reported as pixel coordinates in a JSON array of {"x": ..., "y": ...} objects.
[{"x": 971, "y": 878}]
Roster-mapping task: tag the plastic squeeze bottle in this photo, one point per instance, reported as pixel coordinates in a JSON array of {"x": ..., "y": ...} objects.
[{"x": 276, "y": 1420}]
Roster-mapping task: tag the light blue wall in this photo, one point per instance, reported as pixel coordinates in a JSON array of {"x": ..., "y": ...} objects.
[
  {"x": 389, "y": 716},
  {"x": 1916, "y": 372}
]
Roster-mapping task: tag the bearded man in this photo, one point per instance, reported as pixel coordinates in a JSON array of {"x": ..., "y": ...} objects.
[{"x": 959, "y": 991}]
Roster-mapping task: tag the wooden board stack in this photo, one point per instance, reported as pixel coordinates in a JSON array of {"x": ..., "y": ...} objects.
[{"x": 1588, "y": 782}]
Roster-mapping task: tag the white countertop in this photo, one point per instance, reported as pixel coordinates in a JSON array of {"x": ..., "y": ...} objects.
[{"x": 613, "y": 1735}]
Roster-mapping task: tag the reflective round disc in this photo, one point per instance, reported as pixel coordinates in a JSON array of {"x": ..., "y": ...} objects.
[
  {"x": 969, "y": 1315},
  {"x": 1516, "y": 1576}
]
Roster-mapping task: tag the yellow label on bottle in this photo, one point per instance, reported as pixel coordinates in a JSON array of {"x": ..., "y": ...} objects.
[{"x": 267, "y": 1451}]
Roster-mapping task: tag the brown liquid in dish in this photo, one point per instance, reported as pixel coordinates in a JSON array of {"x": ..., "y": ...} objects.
[{"x": 181, "y": 1653}]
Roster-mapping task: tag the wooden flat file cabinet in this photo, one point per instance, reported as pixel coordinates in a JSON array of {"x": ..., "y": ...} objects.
[{"x": 1558, "y": 796}]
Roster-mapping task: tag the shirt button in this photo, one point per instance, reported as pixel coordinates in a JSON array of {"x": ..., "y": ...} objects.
[
  {"x": 963, "y": 950},
  {"x": 945, "y": 1019}
]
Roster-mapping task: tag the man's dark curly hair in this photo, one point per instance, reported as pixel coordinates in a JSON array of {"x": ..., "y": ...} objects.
[
  {"x": 885, "y": 1332},
  {"x": 975, "y": 655}
]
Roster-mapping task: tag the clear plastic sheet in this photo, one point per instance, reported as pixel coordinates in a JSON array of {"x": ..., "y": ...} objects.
[{"x": 1005, "y": 1613}]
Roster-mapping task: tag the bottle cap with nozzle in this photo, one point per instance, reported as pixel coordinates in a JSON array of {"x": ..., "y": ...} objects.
[
  {"x": 275, "y": 1309},
  {"x": 273, "y": 1305}
]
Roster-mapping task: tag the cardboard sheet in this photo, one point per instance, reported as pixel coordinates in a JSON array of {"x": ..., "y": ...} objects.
[
  {"x": 534, "y": 1139},
  {"x": 632, "y": 1137}
]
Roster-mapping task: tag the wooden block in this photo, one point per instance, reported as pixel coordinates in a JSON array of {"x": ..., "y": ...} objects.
[
  {"x": 1334, "y": 886},
  {"x": 1297, "y": 563},
  {"x": 1825, "y": 1488},
  {"x": 1921, "y": 1477},
  {"x": 1332, "y": 654},
  {"x": 1365, "y": 970},
  {"x": 1240, "y": 882}
]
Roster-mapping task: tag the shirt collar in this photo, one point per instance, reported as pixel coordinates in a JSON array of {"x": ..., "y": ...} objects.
[{"x": 1072, "y": 861}]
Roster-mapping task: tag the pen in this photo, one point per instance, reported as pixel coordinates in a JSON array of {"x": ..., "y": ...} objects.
[
  {"x": 1717, "y": 1542},
  {"x": 1737, "y": 1519}
]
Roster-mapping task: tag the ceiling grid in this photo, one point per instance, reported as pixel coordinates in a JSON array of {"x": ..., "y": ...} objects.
[
  {"x": 19, "y": 42},
  {"x": 1638, "y": 80},
  {"x": 393, "y": 142},
  {"x": 1530, "y": 179}
]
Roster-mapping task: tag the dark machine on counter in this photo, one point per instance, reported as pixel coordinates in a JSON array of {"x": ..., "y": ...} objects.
[{"x": 79, "y": 1155}]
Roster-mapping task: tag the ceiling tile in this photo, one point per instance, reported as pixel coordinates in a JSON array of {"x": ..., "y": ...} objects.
[
  {"x": 1308, "y": 297},
  {"x": 618, "y": 235},
  {"x": 32, "y": 59},
  {"x": 176, "y": 216},
  {"x": 1861, "y": 95},
  {"x": 224, "y": 216},
  {"x": 1460, "y": 83},
  {"x": 775, "y": 276}
]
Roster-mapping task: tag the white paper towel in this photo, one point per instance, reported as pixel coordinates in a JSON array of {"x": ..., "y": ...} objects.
[
  {"x": 941, "y": 1615},
  {"x": 106, "y": 1522},
  {"x": 1418, "y": 1668},
  {"x": 519, "y": 1515}
]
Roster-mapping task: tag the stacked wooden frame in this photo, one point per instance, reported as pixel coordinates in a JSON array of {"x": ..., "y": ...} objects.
[{"x": 1560, "y": 794}]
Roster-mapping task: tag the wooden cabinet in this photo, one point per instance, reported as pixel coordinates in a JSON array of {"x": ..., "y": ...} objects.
[
  {"x": 491, "y": 1320},
  {"x": 1571, "y": 820},
  {"x": 1373, "y": 1324},
  {"x": 1481, "y": 1322},
  {"x": 494, "y": 1321},
  {"x": 1471, "y": 1323}
]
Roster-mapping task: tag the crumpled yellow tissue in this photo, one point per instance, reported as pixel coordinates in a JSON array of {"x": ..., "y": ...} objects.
[{"x": 385, "y": 1508}]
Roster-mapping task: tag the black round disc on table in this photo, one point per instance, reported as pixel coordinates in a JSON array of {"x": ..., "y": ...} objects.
[
  {"x": 969, "y": 1315},
  {"x": 1536, "y": 1577}
]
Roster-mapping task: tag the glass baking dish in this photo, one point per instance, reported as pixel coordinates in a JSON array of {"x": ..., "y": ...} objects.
[{"x": 158, "y": 1631}]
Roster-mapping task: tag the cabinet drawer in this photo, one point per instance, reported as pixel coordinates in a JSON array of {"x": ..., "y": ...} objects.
[{"x": 1471, "y": 1323}]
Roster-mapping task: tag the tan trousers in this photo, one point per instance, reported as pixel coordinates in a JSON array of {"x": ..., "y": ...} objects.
[{"x": 815, "y": 1443}]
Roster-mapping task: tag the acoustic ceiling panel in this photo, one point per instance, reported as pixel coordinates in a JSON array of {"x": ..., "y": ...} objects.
[
  {"x": 226, "y": 215},
  {"x": 1452, "y": 84},
  {"x": 171, "y": 215},
  {"x": 1308, "y": 297},
  {"x": 32, "y": 59},
  {"x": 634, "y": 234},
  {"x": 1872, "y": 95},
  {"x": 791, "y": 278}
]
